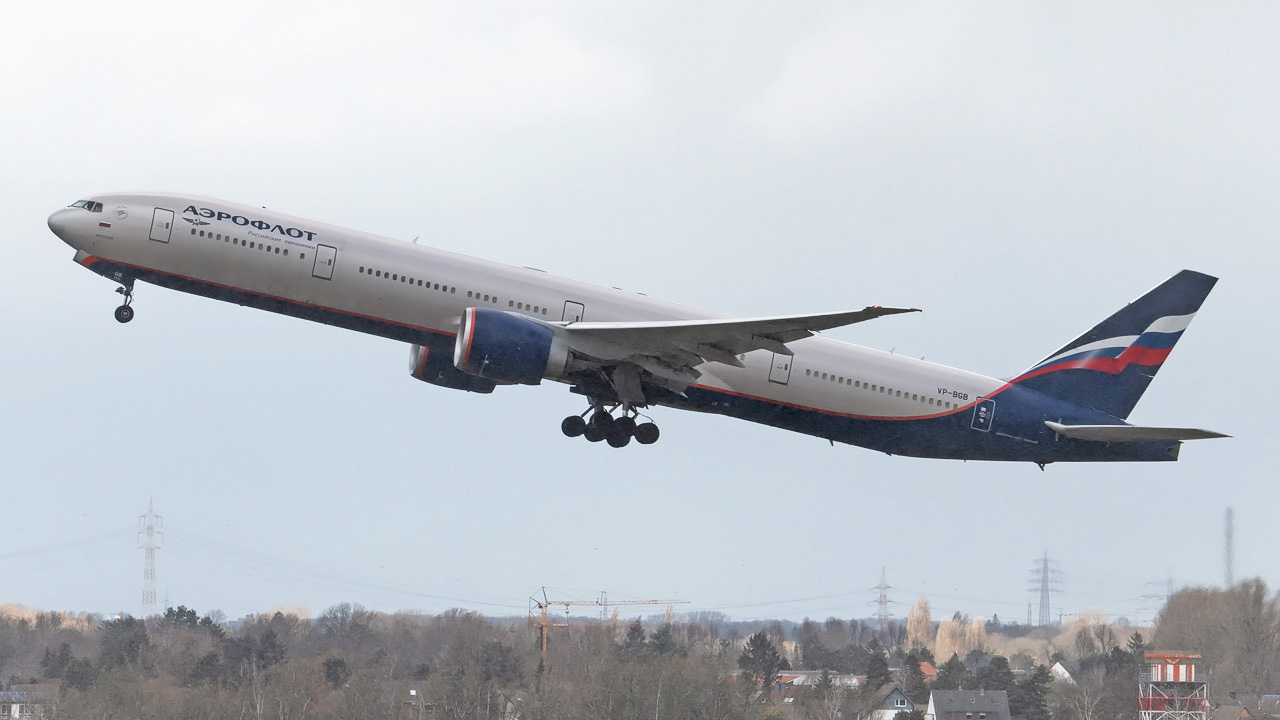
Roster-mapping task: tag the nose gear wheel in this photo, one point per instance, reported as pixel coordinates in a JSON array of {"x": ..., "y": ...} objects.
[{"x": 124, "y": 313}]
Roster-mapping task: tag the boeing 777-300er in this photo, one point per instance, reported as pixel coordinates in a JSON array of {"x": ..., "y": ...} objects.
[{"x": 474, "y": 324}]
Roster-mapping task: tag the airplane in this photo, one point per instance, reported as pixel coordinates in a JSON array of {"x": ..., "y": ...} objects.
[{"x": 474, "y": 325}]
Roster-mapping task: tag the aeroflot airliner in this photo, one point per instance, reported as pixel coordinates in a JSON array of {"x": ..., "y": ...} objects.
[{"x": 474, "y": 325}]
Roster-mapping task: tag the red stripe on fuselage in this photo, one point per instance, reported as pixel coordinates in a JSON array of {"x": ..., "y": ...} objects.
[{"x": 92, "y": 259}]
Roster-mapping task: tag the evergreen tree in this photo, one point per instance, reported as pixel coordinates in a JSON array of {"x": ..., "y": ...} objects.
[
  {"x": 913, "y": 682},
  {"x": 633, "y": 644},
  {"x": 1029, "y": 700},
  {"x": 996, "y": 675},
  {"x": 953, "y": 675},
  {"x": 877, "y": 665},
  {"x": 760, "y": 661},
  {"x": 663, "y": 641}
]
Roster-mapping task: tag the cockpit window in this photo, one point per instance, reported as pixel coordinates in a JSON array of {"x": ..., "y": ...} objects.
[{"x": 89, "y": 205}]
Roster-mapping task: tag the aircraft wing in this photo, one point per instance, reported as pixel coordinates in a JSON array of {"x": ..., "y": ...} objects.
[
  {"x": 1129, "y": 433},
  {"x": 671, "y": 350}
]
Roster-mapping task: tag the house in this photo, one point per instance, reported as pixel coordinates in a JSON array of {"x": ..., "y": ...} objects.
[
  {"x": 812, "y": 677},
  {"x": 930, "y": 672},
  {"x": 890, "y": 700},
  {"x": 1060, "y": 673},
  {"x": 968, "y": 705},
  {"x": 24, "y": 701},
  {"x": 1230, "y": 712}
]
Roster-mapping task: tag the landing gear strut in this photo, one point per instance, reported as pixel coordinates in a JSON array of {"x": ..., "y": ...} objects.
[
  {"x": 124, "y": 313},
  {"x": 617, "y": 431}
]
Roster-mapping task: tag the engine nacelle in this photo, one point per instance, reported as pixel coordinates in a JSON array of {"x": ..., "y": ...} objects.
[
  {"x": 437, "y": 368},
  {"x": 506, "y": 347}
]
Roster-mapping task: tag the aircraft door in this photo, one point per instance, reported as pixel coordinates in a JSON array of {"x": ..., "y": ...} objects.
[
  {"x": 161, "y": 225},
  {"x": 573, "y": 311},
  {"x": 780, "y": 370},
  {"x": 984, "y": 413},
  {"x": 326, "y": 258}
]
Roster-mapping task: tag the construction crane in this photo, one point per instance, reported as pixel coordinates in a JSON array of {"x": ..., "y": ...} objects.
[{"x": 539, "y": 607}]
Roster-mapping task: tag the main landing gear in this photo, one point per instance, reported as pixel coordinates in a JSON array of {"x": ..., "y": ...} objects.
[
  {"x": 618, "y": 431},
  {"x": 124, "y": 313}
]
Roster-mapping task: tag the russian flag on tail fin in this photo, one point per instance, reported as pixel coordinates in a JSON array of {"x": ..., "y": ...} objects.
[{"x": 1109, "y": 367}]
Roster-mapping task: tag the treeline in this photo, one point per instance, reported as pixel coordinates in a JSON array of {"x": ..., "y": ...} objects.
[{"x": 349, "y": 662}]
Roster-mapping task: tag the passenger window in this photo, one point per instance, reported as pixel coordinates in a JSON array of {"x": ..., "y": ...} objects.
[
  {"x": 286, "y": 252},
  {"x": 193, "y": 231},
  {"x": 808, "y": 372},
  {"x": 378, "y": 273},
  {"x": 913, "y": 397},
  {"x": 511, "y": 303},
  {"x": 201, "y": 233},
  {"x": 468, "y": 293}
]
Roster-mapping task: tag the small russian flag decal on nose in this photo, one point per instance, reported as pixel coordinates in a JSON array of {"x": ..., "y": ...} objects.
[{"x": 104, "y": 224}]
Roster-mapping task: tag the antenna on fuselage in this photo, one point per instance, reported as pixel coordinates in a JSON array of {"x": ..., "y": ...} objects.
[{"x": 415, "y": 239}]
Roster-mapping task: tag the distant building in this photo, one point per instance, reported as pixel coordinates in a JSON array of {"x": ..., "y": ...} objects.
[
  {"x": 930, "y": 672},
  {"x": 968, "y": 705},
  {"x": 890, "y": 700},
  {"x": 24, "y": 701},
  {"x": 1060, "y": 673}
]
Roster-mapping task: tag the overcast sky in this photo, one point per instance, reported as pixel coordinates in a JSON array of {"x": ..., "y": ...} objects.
[{"x": 1019, "y": 171}]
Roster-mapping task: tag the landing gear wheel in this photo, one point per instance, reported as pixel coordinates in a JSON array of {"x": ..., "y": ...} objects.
[
  {"x": 592, "y": 434},
  {"x": 573, "y": 426},
  {"x": 624, "y": 425},
  {"x": 124, "y": 314},
  {"x": 619, "y": 434},
  {"x": 601, "y": 421},
  {"x": 646, "y": 433}
]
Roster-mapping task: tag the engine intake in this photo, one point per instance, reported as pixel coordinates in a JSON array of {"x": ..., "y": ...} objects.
[{"x": 507, "y": 348}]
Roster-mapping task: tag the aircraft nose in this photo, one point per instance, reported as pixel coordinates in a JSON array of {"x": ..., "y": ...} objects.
[{"x": 58, "y": 222}]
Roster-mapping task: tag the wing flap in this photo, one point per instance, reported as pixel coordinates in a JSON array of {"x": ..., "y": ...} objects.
[
  {"x": 1129, "y": 433},
  {"x": 712, "y": 340}
]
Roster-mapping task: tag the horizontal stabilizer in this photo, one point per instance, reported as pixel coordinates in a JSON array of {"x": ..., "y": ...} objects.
[{"x": 1129, "y": 433}]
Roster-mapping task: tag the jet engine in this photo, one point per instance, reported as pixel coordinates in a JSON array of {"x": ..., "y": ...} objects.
[
  {"x": 508, "y": 348},
  {"x": 436, "y": 367}
]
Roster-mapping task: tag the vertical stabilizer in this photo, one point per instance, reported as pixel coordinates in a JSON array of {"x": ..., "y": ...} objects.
[{"x": 1109, "y": 367}]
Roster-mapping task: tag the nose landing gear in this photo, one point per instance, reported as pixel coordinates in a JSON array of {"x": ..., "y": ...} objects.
[
  {"x": 618, "y": 432},
  {"x": 124, "y": 313}
]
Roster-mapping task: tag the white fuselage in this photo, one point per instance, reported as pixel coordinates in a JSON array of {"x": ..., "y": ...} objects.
[{"x": 403, "y": 288}]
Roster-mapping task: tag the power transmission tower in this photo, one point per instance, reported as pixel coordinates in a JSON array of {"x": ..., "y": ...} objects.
[
  {"x": 883, "y": 615},
  {"x": 1045, "y": 579},
  {"x": 150, "y": 538}
]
